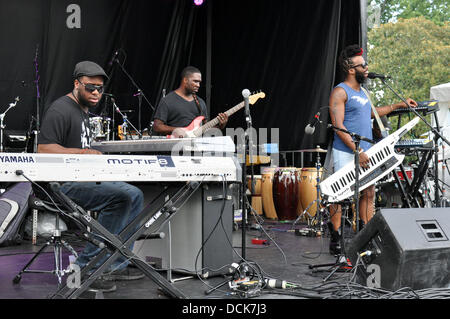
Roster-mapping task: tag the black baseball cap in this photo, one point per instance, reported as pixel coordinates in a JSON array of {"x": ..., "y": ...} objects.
[{"x": 88, "y": 68}]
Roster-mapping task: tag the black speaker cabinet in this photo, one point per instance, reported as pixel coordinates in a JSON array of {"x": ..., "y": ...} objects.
[{"x": 403, "y": 247}]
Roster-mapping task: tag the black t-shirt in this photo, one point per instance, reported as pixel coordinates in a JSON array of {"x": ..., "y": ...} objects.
[
  {"x": 66, "y": 124},
  {"x": 175, "y": 111}
]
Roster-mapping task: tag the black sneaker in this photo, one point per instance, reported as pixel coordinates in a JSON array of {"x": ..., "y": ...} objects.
[
  {"x": 102, "y": 285},
  {"x": 335, "y": 243},
  {"x": 335, "y": 248},
  {"x": 127, "y": 273}
]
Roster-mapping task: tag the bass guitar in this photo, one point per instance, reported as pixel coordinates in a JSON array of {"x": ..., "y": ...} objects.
[{"x": 195, "y": 129}]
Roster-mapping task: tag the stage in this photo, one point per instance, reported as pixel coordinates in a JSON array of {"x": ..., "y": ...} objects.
[{"x": 287, "y": 257}]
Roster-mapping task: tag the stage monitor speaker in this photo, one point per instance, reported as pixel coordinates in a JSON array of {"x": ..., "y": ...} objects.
[{"x": 403, "y": 247}]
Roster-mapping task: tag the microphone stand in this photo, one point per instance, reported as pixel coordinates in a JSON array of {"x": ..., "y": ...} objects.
[
  {"x": 357, "y": 140},
  {"x": 247, "y": 146},
  {"x": 125, "y": 118},
  {"x": 140, "y": 94},
  {"x": 2, "y": 126},
  {"x": 247, "y": 142},
  {"x": 436, "y": 133},
  {"x": 152, "y": 119},
  {"x": 341, "y": 258},
  {"x": 113, "y": 117}
]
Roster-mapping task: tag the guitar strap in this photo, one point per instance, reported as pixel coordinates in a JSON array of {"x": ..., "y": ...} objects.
[
  {"x": 198, "y": 106},
  {"x": 383, "y": 130}
]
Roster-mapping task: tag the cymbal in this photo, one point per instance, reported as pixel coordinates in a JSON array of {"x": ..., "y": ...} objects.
[{"x": 314, "y": 150}]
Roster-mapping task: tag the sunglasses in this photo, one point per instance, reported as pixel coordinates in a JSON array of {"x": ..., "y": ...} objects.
[
  {"x": 92, "y": 87},
  {"x": 364, "y": 65}
]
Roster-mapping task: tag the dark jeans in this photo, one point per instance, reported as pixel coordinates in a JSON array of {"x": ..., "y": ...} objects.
[{"x": 117, "y": 204}]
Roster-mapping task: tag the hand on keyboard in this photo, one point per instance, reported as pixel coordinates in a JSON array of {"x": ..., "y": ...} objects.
[
  {"x": 364, "y": 160},
  {"x": 90, "y": 151},
  {"x": 411, "y": 103}
]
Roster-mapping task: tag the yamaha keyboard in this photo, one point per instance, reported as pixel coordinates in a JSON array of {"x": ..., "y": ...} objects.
[
  {"x": 424, "y": 107},
  {"x": 383, "y": 159},
  {"x": 40, "y": 167}
]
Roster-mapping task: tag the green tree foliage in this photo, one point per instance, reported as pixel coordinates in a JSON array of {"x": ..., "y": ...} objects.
[
  {"x": 415, "y": 52},
  {"x": 437, "y": 11}
]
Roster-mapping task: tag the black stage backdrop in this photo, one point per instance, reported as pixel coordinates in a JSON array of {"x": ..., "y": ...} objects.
[{"x": 288, "y": 49}]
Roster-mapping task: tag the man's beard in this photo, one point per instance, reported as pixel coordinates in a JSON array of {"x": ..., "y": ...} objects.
[
  {"x": 84, "y": 102},
  {"x": 190, "y": 91},
  {"x": 360, "y": 77}
]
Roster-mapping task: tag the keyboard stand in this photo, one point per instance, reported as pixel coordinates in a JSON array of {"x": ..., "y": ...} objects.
[
  {"x": 401, "y": 186},
  {"x": 116, "y": 246},
  {"x": 409, "y": 190}
]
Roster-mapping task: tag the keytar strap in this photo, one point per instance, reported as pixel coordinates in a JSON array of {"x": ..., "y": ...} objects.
[{"x": 383, "y": 130}]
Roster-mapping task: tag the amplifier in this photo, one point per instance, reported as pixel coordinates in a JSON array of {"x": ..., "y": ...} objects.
[{"x": 404, "y": 248}]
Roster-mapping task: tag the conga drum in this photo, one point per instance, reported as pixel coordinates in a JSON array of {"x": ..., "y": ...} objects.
[
  {"x": 256, "y": 195},
  {"x": 267, "y": 193},
  {"x": 308, "y": 190},
  {"x": 300, "y": 207},
  {"x": 257, "y": 182},
  {"x": 285, "y": 193}
]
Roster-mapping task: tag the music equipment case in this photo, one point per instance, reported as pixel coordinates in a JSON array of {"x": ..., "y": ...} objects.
[{"x": 13, "y": 209}]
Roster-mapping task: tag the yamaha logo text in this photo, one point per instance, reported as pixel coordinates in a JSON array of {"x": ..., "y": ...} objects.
[{"x": 16, "y": 159}]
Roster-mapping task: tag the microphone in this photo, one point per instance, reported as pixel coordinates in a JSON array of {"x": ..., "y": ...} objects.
[
  {"x": 275, "y": 283},
  {"x": 378, "y": 76},
  {"x": 246, "y": 94},
  {"x": 309, "y": 129},
  {"x": 213, "y": 273},
  {"x": 108, "y": 94},
  {"x": 160, "y": 235},
  {"x": 114, "y": 57}
]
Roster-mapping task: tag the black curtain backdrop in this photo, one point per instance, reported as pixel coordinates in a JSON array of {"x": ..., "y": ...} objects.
[{"x": 288, "y": 49}]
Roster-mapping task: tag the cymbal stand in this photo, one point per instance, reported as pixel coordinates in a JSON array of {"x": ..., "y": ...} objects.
[
  {"x": 125, "y": 119},
  {"x": 38, "y": 97},
  {"x": 319, "y": 212},
  {"x": 2, "y": 126},
  {"x": 317, "y": 201},
  {"x": 140, "y": 94}
]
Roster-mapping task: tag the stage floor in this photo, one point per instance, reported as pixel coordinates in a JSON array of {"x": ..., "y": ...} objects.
[{"x": 286, "y": 257}]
